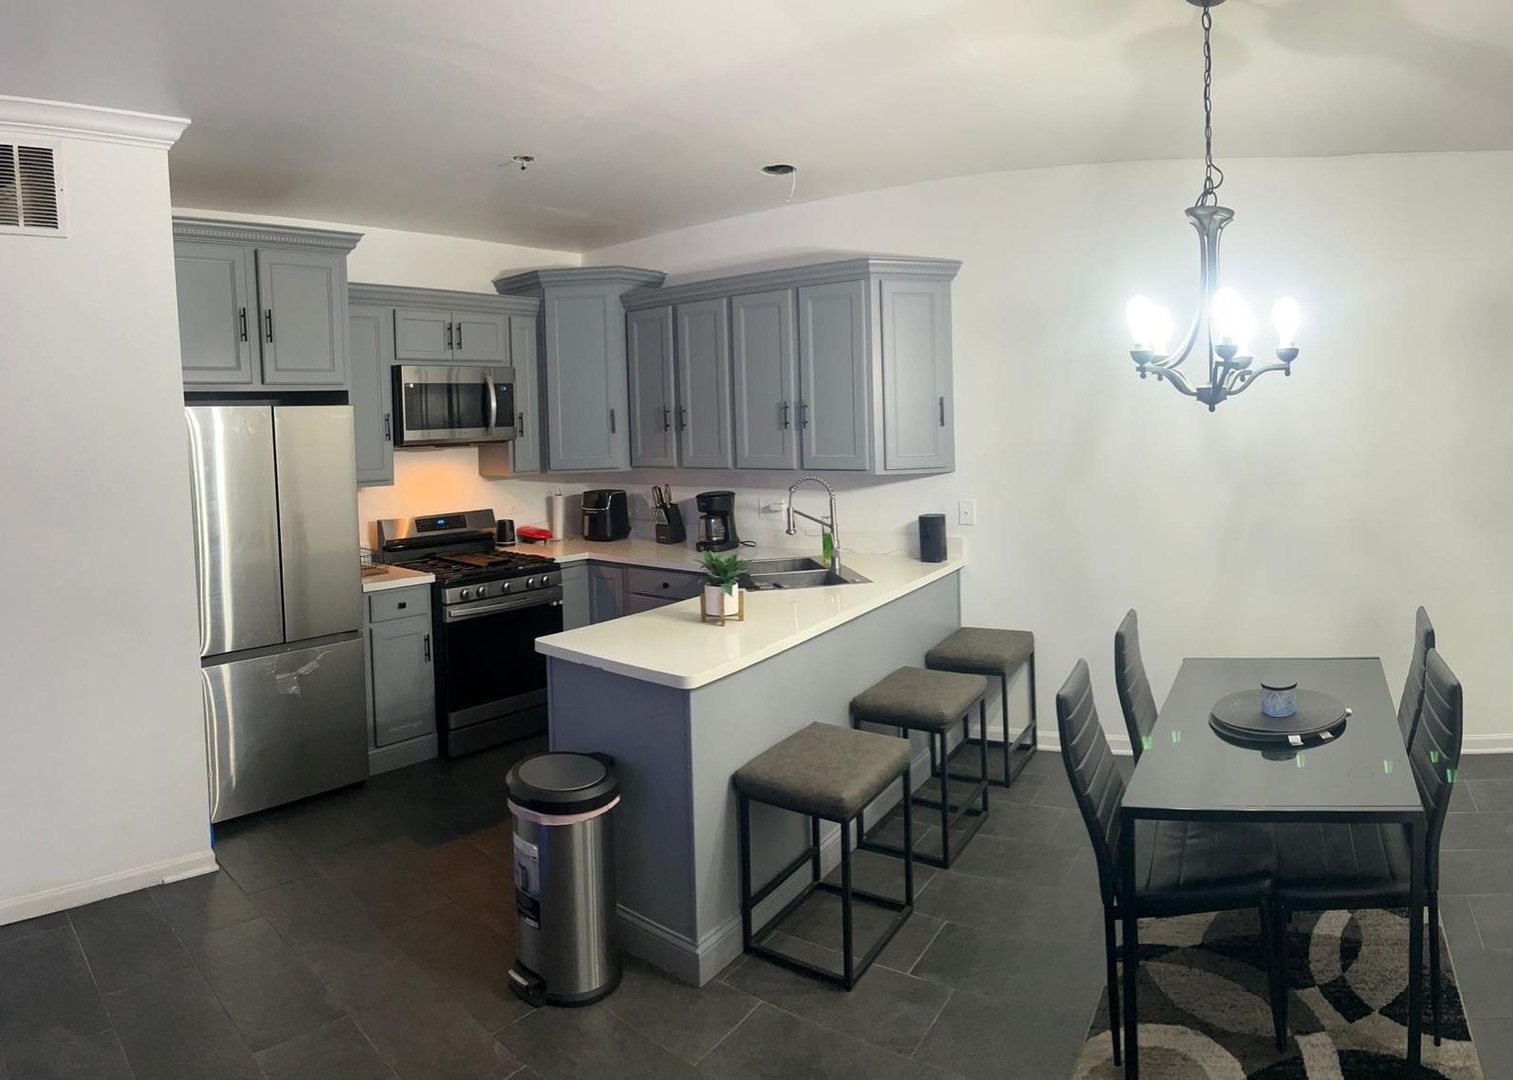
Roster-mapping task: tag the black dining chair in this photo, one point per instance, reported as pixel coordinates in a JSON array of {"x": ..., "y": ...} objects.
[
  {"x": 1412, "y": 701},
  {"x": 1333, "y": 867},
  {"x": 1135, "y": 696},
  {"x": 1183, "y": 867}
]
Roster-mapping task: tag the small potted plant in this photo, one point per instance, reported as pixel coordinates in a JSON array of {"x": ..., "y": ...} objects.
[{"x": 722, "y": 585}]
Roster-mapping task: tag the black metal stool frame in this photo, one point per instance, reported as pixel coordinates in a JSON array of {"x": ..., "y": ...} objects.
[
  {"x": 950, "y": 813},
  {"x": 1028, "y": 738},
  {"x": 752, "y": 940}
]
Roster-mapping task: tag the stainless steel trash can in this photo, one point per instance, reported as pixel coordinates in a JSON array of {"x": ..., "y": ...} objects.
[{"x": 565, "y": 878}]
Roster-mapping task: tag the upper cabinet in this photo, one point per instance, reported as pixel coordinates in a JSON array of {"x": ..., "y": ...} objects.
[
  {"x": 261, "y": 306},
  {"x": 839, "y": 366},
  {"x": 426, "y": 335},
  {"x": 583, "y": 385}
]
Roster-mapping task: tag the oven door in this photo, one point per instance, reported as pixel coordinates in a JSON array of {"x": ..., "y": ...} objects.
[
  {"x": 490, "y": 680},
  {"x": 450, "y": 405}
]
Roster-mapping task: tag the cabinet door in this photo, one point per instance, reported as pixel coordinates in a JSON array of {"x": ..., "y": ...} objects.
[
  {"x": 479, "y": 336},
  {"x": 576, "y": 611},
  {"x": 833, "y": 430},
  {"x": 525, "y": 451},
  {"x": 606, "y": 593},
  {"x": 703, "y": 351},
  {"x": 404, "y": 691},
  {"x": 217, "y": 312},
  {"x": 764, "y": 371},
  {"x": 648, "y": 345},
  {"x": 423, "y": 335},
  {"x": 635, "y": 603},
  {"x": 916, "y": 353},
  {"x": 302, "y": 297},
  {"x": 585, "y": 379},
  {"x": 370, "y": 337}
]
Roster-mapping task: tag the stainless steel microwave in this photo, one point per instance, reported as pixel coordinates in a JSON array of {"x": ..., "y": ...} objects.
[{"x": 453, "y": 404}]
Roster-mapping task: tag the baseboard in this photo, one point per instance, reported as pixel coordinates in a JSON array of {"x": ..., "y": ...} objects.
[
  {"x": 410, "y": 752},
  {"x": 48, "y": 901},
  {"x": 1487, "y": 744}
]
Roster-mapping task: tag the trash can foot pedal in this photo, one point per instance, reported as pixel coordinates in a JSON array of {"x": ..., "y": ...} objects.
[{"x": 528, "y": 986}]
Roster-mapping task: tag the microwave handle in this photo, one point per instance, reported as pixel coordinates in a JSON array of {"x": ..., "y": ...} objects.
[{"x": 488, "y": 380}]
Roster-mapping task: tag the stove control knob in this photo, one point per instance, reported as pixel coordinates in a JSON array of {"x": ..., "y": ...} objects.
[
  {"x": 504, "y": 587},
  {"x": 466, "y": 594}
]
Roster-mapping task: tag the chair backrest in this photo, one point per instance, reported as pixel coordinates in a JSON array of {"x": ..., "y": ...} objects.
[
  {"x": 1135, "y": 696},
  {"x": 1096, "y": 780},
  {"x": 1435, "y": 754},
  {"x": 1412, "y": 701}
]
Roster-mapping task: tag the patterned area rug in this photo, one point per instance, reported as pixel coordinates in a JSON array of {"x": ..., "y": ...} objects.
[{"x": 1205, "y": 1013}]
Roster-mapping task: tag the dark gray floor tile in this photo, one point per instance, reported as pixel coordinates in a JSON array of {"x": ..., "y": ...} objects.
[
  {"x": 1072, "y": 831},
  {"x": 268, "y": 991},
  {"x": 174, "y": 1029},
  {"x": 1485, "y": 979},
  {"x": 1056, "y": 792},
  {"x": 987, "y": 1038},
  {"x": 1001, "y": 965},
  {"x": 818, "y": 920},
  {"x": 1023, "y": 821},
  {"x": 910, "y": 943},
  {"x": 1478, "y": 832},
  {"x": 486, "y": 892},
  {"x": 440, "y": 1041},
  {"x": 45, "y": 984},
  {"x": 1494, "y": 920},
  {"x": 1489, "y": 795},
  {"x": 392, "y": 887},
  {"x": 886, "y": 1008},
  {"x": 331, "y": 931},
  {"x": 128, "y": 941},
  {"x": 1458, "y": 922},
  {"x": 1023, "y": 790},
  {"x": 328, "y": 821},
  {"x": 55, "y": 1054},
  {"x": 257, "y": 859},
  {"x": 338, "y": 1051},
  {"x": 590, "y": 1043},
  {"x": 495, "y": 841},
  {"x": 1059, "y": 914},
  {"x": 883, "y": 874},
  {"x": 1464, "y": 873},
  {"x": 1460, "y": 800},
  {"x": 774, "y": 1045},
  {"x": 201, "y": 904},
  {"x": 1486, "y": 767},
  {"x": 31, "y": 927},
  {"x": 1493, "y": 1040},
  {"x": 1020, "y": 860},
  {"x": 687, "y": 1020},
  {"x": 469, "y": 962}
]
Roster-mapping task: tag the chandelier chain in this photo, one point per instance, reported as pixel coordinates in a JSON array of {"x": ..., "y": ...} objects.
[{"x": 1213, "y": 176}]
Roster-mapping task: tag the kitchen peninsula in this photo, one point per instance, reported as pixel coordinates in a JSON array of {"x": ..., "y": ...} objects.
[{"x": 681, "y": 704}]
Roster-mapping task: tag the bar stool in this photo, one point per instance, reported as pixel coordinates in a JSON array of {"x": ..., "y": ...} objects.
[
  {"x": 826, "y": 773},
  {"x": 998, "y": 653},
  {"x": 915, "y": 699}
]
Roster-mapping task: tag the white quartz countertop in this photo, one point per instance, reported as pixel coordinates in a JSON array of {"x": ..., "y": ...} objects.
[
  {"x": 395, "y": 577},
  {"x": 630, "y": 552},
  {"x": 672, "y": 647}
]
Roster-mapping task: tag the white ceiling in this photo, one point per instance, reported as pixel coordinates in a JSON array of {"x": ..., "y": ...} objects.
[{"x": 651, "y": 114}]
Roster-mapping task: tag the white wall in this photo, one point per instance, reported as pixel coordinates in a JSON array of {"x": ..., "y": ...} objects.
[
  {"x": 102, "y": 749},
  {"x": 1309, "y": 516}
]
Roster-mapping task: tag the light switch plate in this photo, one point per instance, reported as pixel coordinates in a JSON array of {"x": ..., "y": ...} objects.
[{"x": 966, "y": 512}]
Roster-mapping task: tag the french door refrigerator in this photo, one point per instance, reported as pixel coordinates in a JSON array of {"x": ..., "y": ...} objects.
[{"x": 280, "y": 598}]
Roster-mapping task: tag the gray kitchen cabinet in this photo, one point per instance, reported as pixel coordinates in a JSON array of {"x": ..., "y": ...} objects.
[
  {"x": 404, "y": 690},
  {"x": 606, "y": 592},
  {"x": 525, "y": 451},
  {"x": 832, "y": 405},
  {"x": 583, "y": 386},
  {"x": 703, "y": 363},
  {"x": 918, "y": 413},
  {"x": 261, "y": 306},
  {"x": 576, "y": 611},
  {"x": 764, "y": 379},
  {"x": 648, "y": 588},
  {"x": 213, "y": 283},
  {"x": 432, "y": 336},
  {"x": 480, "y": 337},
  {"x": 653, "y": 387},
  {"x": 370, "y": 340}
]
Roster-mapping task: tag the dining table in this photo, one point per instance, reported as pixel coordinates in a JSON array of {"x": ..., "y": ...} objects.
[{"x": 1187, "y": 771}]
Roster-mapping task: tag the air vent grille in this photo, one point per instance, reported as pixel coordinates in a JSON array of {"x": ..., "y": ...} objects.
[{"x": 29, "y": 189}]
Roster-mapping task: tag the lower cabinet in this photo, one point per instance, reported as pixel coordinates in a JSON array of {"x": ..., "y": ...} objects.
[
  {"x": 401, "y": 678},
  {"x": 575, "y": 605},
  {"x": 627, "y": 590},
  {"x": 606, "y": 592}
]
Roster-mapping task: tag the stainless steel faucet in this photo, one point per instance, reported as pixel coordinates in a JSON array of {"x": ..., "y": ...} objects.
[{"x": 835, "y": 536}]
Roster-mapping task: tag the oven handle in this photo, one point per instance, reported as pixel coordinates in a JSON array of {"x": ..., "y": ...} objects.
[
  {"x": 488, "y": 380},
  {"x": 551, "y": 596}
]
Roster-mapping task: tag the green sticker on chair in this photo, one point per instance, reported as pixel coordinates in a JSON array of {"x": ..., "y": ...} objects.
[
  {"x": 1449, "y": 776},
  {"x": 1176, "y": 736},
  {"x": 1434, "y": 757},
  {"x": 1298, "y": 760},
  {"x": 1386, "y": 766},
  {"x": 1145, "y": 742}
]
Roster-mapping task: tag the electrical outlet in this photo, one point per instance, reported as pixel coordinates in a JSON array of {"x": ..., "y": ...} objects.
[
  {"x": 772, "y": 509},
  {"x": 966, "y": 512}
]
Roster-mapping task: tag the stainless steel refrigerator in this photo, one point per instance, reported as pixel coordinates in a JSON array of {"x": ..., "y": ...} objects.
[{"x": 280, "y": 595}]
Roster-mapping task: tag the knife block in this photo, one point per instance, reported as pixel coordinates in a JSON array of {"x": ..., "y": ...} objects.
[{"x": 670, "y": 528}]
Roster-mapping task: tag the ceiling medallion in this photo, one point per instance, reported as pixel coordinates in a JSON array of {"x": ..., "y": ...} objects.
[{"x": 1220, "y": 311}]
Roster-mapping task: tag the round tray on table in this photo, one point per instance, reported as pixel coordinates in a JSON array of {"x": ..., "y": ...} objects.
[{"x": 1239, "y": 717}]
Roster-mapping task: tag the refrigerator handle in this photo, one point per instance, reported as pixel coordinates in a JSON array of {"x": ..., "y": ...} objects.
[{"x": 196, "y": 511}]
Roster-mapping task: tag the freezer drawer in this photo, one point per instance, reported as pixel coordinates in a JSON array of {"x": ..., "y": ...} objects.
[{"x": 285, "y": 723}]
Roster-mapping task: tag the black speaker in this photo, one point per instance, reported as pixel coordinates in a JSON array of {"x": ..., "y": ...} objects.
[{"x": 932, "y": 538}]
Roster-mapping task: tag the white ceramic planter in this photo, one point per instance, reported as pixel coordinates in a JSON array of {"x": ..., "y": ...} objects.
[{"x": 717, "y": 602}]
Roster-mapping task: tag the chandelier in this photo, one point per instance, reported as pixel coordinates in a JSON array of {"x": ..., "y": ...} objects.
[{"x": 1223, "y": 323}]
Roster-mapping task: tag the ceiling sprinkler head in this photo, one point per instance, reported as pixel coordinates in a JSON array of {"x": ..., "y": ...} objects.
[
  {"x": 525, "y": 161},
  {"x": 779, "y": 170}
]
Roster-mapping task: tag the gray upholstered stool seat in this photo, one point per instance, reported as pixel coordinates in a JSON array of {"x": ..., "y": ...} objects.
[
  {"x": 983, "y": 650},
  {"x": 999, "y": 654},
  {"x": 919, "y": 699},
  {"x": 828, "y": 771}
]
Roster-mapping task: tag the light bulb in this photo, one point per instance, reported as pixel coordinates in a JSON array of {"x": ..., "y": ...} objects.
[
  {"x": 1160, "y": 330},
  {"x": 1141, "y": 315},
  {"x": 1233, "y": 320},
  {"x": 1287, "y": 317}
]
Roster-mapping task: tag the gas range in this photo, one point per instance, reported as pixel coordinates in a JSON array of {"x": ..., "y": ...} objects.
[
  {"x": 458, "y": 549},
  {"x": 479, "y": 576}
]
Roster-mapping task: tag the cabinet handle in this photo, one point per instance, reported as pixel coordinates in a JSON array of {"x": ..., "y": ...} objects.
[
  {"x": 520, "y": 425},
  {"x": 268, "y": 320},
  {"x": 388, "y": 433},
  {"x": 666, "y": 418},
  {"x": 402, "y": 604},
  {"x": 784, "y": 406},
  {"x": 428, "y": 648},
  {"x": 666, "y": 584},
  {"x": 449, "y": 337},
  {"x": 942, "y": 412},
  {"x": 243, "y": 319},
  {"x": 612, "y": 421},
  {"x": 459, "y": 335},
  {"x": 803, "y": 414},
  {"x": 682, "y": 418}
]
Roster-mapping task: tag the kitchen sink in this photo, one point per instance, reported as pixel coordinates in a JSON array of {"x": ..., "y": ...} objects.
[{"x": 763, "y": 574}]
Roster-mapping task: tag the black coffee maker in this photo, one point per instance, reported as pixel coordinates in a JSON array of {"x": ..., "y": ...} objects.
[{"x": 716, "y": 521}]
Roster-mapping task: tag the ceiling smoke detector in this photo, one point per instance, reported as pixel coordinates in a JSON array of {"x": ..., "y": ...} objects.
[{"x": 524, "y": 161}]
